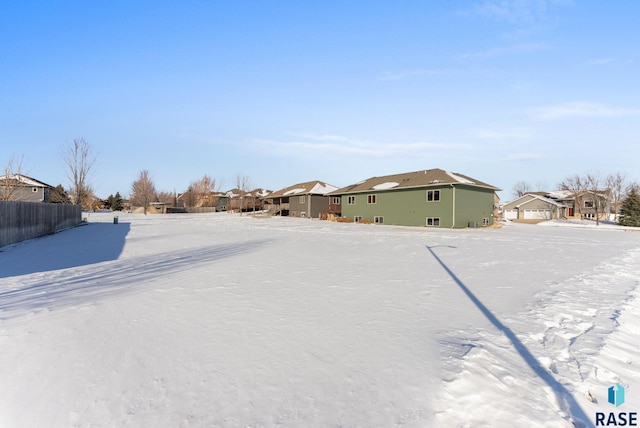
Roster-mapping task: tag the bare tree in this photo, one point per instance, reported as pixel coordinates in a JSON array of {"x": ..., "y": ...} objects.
[
  {"x": 576, "y": 187},
  {"x": 143, "y": 191},
  {"x": 79, "y": 158},
  {"x": 204, "y": 191},
  {"x": 10, "y": 181},
  {"x": 520, "y": 188},
  {"x": 189, "y": 197},
  {"x": 243, "y": 184},
  {"x": 541, "y": 186},
  {"x": 632, "y": 188},
  {"x": 593, "y": 182},
  {"x": 168, "y": 198},
  {"x": 616, "y": 184}
]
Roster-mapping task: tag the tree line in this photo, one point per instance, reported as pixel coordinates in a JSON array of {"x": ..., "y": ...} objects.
[
  {"x": 79, "y": 158},
  {"x": 201, "y": 193}
]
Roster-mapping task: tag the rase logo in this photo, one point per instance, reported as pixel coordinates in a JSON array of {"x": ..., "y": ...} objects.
[{"x": 615, "y": 396}]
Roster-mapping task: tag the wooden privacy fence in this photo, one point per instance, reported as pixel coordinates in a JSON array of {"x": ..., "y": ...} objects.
[{"x": 27, "y": 220}]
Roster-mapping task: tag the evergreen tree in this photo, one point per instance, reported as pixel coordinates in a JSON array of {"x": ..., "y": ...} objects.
[
  {"x": 59, "y": 196},
  {"x": 118, "y": 203},
  {"x": 630, "y": 210},
  {"x": 114, "y": 203},
  {"x": 108, "y": 203}
]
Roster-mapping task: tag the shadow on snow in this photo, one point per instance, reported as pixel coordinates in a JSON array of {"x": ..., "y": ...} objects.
[
  {"x": 79, "y": 246},
  {"x": 565, "y": 399},
  {"x": 111, "y": 280}
]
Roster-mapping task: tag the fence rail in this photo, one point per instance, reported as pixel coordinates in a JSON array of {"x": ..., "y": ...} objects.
[{"x": 20, "y": 221}]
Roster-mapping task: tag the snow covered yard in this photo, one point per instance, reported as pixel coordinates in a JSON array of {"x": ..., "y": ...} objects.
[{"x": 220, "y": 320}]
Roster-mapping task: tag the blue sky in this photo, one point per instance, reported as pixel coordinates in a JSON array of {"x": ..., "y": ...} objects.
[{"x": 290, "y": 91}]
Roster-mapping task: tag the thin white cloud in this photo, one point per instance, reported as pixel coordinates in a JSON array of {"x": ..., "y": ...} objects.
[
  {"x": 504, "y": 133},
  {"x": 523, "y": 17},
  {"x": 517, "y": 12},
  {"x": 580, "y": 109},
  {"x": 321, "y": 137},
  {"x": 405, "y": 74},
  {"x": 607, "y": 61},
  {"x": 525, "y": 156},
  {"x": 505, "y": 50},
  {"x": 334, "y": 145}
]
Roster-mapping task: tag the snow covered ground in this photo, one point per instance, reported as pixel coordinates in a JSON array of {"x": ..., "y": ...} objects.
[{"x": 218, "y": 320}]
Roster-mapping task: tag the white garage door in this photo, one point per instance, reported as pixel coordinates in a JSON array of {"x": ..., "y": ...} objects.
[
  {"x": 511, "y": 214},
  {"x": 537, "y": 214}
]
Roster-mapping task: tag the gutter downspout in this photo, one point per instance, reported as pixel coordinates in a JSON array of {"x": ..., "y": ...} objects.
[{"x": 453, "y": 206}]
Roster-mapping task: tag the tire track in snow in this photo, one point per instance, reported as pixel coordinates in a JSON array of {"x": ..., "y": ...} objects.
[{"x": 73, "y": 287}]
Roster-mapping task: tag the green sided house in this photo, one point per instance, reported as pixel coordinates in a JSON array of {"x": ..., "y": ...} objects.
[{"x": 432, "y": 198}]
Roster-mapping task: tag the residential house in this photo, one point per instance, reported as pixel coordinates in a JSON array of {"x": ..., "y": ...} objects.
[
  {"x": 534, "y": 206},
  {"x": 586, "y": 204},
  {"x": 433, "y": 198},
  {"x": 255, "y": 199},
  {"x": 559, "y": 204},
  {"x": 19, "y": 187},
  {"x": 203, "y": 202},
  {"x": 301, "y": 200}
]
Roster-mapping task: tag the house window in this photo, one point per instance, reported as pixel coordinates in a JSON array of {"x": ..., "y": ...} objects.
[
  {"x": 378, "y": 219},
  {"x": 301, "y": 199},
  {"x": 351, "y": 200},
  {"x": 485, "y": 221},
  {"x": 588, "y": 204},
  {"x": 371, "y": 199},
  {"x": 433, "y": 221},
  {"x": 335, "y": 200},
  {"x": 357, "y": 219},
  {"x": 433, "y": 195}
]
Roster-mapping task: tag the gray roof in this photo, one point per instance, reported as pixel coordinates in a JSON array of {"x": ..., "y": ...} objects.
[
  {"x": 315, "y": 187},
  {"x": 417, "y": 179},
  {"x": 24, "y": 180}
]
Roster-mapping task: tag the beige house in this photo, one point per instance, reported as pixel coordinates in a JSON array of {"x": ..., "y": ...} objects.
[
  {"x": 560, "y": 204},
  {"x": 534, "y": 206}
]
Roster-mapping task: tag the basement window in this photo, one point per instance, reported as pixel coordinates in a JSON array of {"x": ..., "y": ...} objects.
[
  {"x": 378, "y": 219},
  {"x": 357, "y": 219}
]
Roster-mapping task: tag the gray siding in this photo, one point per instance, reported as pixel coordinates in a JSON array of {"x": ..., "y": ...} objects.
[
  {"x": 20, "y": 221},
  {"x": 310, "y": 205}
]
